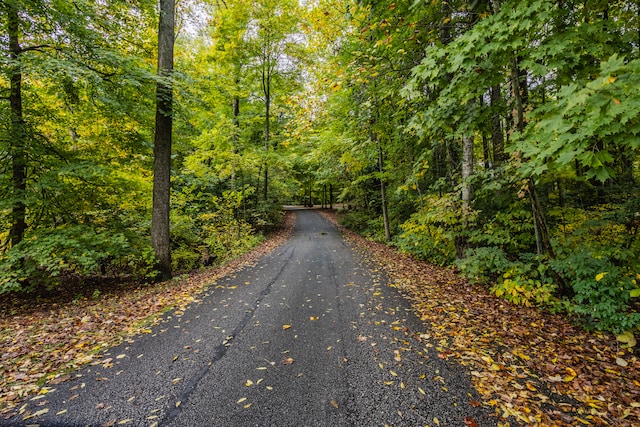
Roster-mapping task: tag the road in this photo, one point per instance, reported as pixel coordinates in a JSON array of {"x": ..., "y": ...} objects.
[{"x": 311, "y": 335}]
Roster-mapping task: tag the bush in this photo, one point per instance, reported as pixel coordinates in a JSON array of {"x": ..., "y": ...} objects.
[
  {"x": 429, "y": 234},
  {"x": 40, "y": 259},
  {"x": 484, "y": 265},
  {"x": 602, "y": 292},
  {"x": 356, "y": 220}
]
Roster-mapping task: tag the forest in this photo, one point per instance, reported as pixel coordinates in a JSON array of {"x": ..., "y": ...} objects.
[{"x": 498, "y": 137}]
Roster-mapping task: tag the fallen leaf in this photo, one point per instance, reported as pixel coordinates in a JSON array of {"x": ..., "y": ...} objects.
[
  {"x": 621, "y": 362},
  {"x": 470, "y": 422},
  {"x": 571, "y": 374},
  {"x": 285, "y": 327},
  {"x": 287, "y": 361}
]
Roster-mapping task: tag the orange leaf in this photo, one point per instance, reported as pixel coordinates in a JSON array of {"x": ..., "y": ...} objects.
[{"x": 471, "y": 422}]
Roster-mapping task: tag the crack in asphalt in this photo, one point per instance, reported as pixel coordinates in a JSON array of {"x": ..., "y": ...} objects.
[{"x": 221, "y": 350}]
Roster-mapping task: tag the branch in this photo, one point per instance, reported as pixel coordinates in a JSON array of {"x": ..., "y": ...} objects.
[{"x": 38, "y": 48}]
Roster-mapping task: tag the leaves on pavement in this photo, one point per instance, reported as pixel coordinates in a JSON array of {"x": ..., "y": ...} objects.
[
  {"x": 531, "y": 367},
  {"x": 42, "y": 341}
]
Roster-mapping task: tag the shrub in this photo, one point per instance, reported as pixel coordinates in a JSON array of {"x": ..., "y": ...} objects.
[
  {"x": 40, "y": 259},
  {"x": 429, "y": 234},
  {"x": 602, "y": 292}
]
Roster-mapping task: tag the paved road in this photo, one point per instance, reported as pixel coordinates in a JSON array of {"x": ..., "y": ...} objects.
[{"x": 309, "y": 336}]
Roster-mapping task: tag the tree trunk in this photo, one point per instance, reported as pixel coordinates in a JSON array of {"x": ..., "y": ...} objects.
[
  {"x": 18, "y": 131},
  {"x": 467, "y": 171},
  {"x": 497, "y": 138},
  {"x": 543, "y": 241},
  {"x": 160, "y": 227},
  {"x": 330, "y": 196},
  {"x": 383, "y": 196},
  {"x": 266, "y": 87},
  {"x": 461, "y": 240},
  {"x": 236, "y": 131}
]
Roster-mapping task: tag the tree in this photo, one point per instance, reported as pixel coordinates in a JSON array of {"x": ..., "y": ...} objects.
[
  {"x": 160, "y": 226},
  {"x": 17, "y": 133}
]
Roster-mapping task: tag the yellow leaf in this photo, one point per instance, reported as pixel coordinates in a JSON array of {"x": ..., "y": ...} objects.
[
  {"x": 241, "y": 400},
  {"x": 247, "y": 406},
  {"x": 621, "y": 362},
  {"x": 571, "y": 374},
  {"x": 285, "y": 327},
  {"x": 393, "y": 373},
  {"x": 249, "y": 383},
  {"x": 313, "y": 318},
  {"x": 599, "y": 276},
  {"x": 627, "y": 338},
  {"x": 422, "y": 391}
]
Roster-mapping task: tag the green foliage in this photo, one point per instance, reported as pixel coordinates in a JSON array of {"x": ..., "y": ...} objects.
[
  {"x": 355, "y": 220},
  {"x": 429, "y": 233},
  {"x": 602, "y": 298},
  {"x": 522, "y": 291},
  {"x": 484, "y": 264},
  {"x": 208, "y": 229},
  {"x": 41, "y": 259},
  {"x": 589, "y": 123}
]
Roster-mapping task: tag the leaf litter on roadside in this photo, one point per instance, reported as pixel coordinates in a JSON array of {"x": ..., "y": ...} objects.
[
  {"x": 531, "y": 367},
  {"x": 42, "y": 342}
]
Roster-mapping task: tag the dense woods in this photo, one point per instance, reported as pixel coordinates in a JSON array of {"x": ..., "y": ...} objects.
[{"x": 500, "y": 137}]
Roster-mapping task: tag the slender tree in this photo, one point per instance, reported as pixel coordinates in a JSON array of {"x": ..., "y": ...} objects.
[
  {"x": 160, "y": 226},
  {"x": 17, "y": 128}
]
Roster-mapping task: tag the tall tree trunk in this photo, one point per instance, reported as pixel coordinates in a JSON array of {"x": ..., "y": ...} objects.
[
  {"x": 497, "y": 138},
  {"x": 543, "y": 241},
  {"x": 18, "y": 131},
  {"x": 461, "y": 240},
  {"x": 266, "y": 87},
  {"x": 160, "y": 227},
  {"x": 330, "y": 196},
  {"x": 235, "y": 106},
  {"x": 467, "y": 172},
  {"x": 383, "y": 195}
]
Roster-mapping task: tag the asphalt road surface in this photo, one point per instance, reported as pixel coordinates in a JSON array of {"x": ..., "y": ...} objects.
[{"x": 311, "y": 335}]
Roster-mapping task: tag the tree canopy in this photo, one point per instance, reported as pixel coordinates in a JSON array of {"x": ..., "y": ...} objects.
[{"x": 500, "y": 137}]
